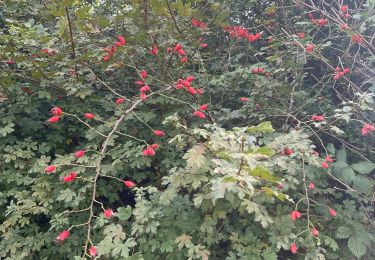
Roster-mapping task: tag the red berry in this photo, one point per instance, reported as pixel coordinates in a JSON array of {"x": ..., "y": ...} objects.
[
  {"x": 119, "y": 101},
  {"x": 129, "y": 184},
  {"x": 50, "y": 168},
  {"x": 145, "y": 88},
  {"x": 311, "y": 186},
  {"x": 325, "y": 165},
  {"x": 57, "y": 111},
  {"x": 79, "y": 154},
  {"x": 203, "y": 107},
  {"x": 159, "y": 133},
  {"x": 63, "y": 235},
  {"x": 199, "y": 114},
  {"x": 295, "y": 214},
  {"x": 89, "y": 116},
  {"x": 139, "y": 83},
  {"x": 143, "y": 74},
  {"x": 92, "y": 251},
  {"x": 54, "y": 119},
  {"x": 314, "y": 232},
  {"x": 332, "y": 212},
  {"x": 108, "y": 213},
  {"x": 190, "y": 79},
  {"x": 149, "y": 151},
  {"x": 293, "y": 248},
  {"x": 70, "y": 177}
]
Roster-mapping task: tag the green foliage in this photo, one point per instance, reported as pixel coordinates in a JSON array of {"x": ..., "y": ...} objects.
[{"x": 222, "y": 187}]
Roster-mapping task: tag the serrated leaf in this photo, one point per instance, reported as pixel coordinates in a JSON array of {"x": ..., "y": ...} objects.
[
  {"x": 341, "y": 155},
  {"x": 356, "y": 246},
  {"x": 124, "y": 213},
  {"x": 362, "y": 184},
  {"x": 344, "y": 232},
  {"x": 329, "y": 241},
  {"x": 264, "y": 127},
  {"x": 363, "y": 167},
  {"x": 347, "y": 175},
  {"x": 194, "y": 157},
  {"x": 331, "y": 148}
]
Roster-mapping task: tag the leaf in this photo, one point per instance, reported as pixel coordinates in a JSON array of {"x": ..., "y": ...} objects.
[
  {"x": 341, "y": 155},
  {"x": 362, "y": 184},
  {"x": 331, "y": 148},
  {"x": 124, "y": 213},
  {"x": 356, "y": 246},
  {"x": 262, "y": 173},
  {"x": 344, "y": 232},
  {"x": 262, "y": 150},
  {"x": 194, "y": 157},
  {"x": 264, "y": 127},
  {"x": 347, "y": 175},
  {"x": 363, "y": 167},
  {"x": 250, "y": 206},
  {"x": 329, "y": 241},
  {"x": 184, "y": 241}
]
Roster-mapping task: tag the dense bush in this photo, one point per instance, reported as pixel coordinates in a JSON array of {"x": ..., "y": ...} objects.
[{"x": 187, "y": 129}]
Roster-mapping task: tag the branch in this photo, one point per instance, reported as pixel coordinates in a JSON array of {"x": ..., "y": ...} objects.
[{"x": 72, "y": 42}]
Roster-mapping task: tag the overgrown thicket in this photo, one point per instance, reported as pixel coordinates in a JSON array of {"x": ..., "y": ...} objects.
[{"x": 160, "y": 129}]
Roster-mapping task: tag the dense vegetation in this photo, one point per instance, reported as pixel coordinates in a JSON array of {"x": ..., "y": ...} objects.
[{"x": 171, "y": 129}]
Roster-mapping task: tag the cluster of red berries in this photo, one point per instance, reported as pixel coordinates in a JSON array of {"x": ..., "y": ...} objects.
[
  {"x": 294, "y": 215},
  {"x": 327, "y": 160},
  {"x": 345, "y": 11},
  {"x": 339, "y": 73},
  {"x": 186, "y": 83},
  {"x": 260, "y": 71},
  {"x": 150, "y": 149},
  {"x": 198, "y": 23},
  {"x": 241, "y": 32},
  {"x": 367, "y": 128},
  {"x": 110, "y": 51},
  {"x": 143, "y": 88},
  {"x": 321, "y": 22},
  {"x": 180, "y": 51},
  {"x": 154, "y": 50},
  {"x": 48, "y": 52},
  {"x": 199, "y": 113}
]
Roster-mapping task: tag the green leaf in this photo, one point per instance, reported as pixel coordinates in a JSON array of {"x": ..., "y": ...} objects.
[
  {"x": 331, "y": 148},
  {"x": 194, "y": 157},
  {"x": 362, "y": 184},
  {"x": 329, "y": 241},
  {"x": 341, "y": 155},
  {"x": 356, "y": 246},
  {"x": 124, "y": 213},
  {"x": 262, "y": 173},
  {"x": 363, "y": 167},
  {"x": 262, "y": 150},
  {"x": 347, "y": 175},
  {"x": 344, "y": 232},
  {"x": 264, "y": 127}
]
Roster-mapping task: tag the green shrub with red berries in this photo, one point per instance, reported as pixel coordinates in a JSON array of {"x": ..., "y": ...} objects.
[{"x": 187, "y": 129}]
